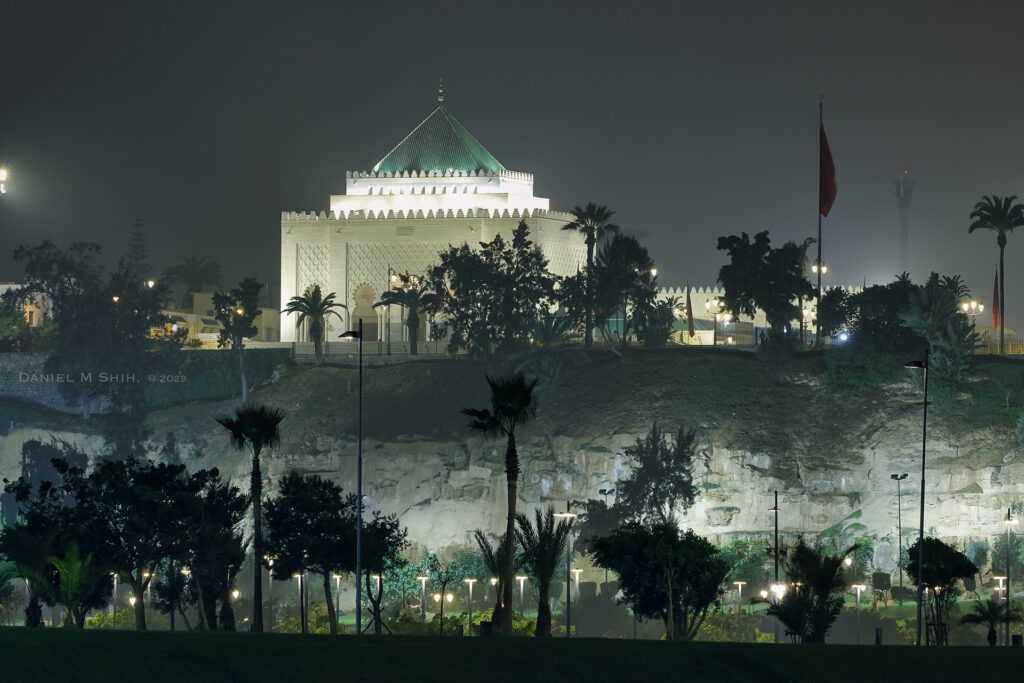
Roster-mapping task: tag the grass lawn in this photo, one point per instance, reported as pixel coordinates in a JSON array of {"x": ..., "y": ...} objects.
[{"x": 53, "y": 654}]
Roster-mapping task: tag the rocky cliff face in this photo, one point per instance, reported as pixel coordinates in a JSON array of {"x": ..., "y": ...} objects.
[{"x": 830, "y": 459}]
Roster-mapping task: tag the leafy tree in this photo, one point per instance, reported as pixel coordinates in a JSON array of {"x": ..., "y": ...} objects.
[
  {"x": 195, "y": 273},
  {"x": 383, "y": 538},
  {"x": 255, "y": 427},
  {"x": 413, "y": 297},
  {"x": 236, "y": 311},
  {"x": 593, "y": 221},
  {"x": 28, "y": 550},
  {"x": 512, "y": 404},
  {"x": 15, "y": 334},
  {"x": 491, "y": 296},
  {"x": 880, "y": 342},
  {"x": 935, "y": 315},
  {"x": 654, "y": 322},
  {"x": 134, "y": 512},
  {"x": 104, "y": 323},
  {"x": 748, "y": 561},
  {"x": 664, "y": 574},
  {"x": 623, "y": 280},
  {"x": 760, "y": 277},
  {"x": 311, "y": 527},
  {"x": 662, "y": 476},
  {"x": 1000, "y": 215},
  {"x": 215, "y": 548},
  {"x": 992, "y": 612},
  {"x": 943, "y": 570},
  {"x": 175, "y": 591},
  {"x": 544, "y": 547},
  {"x": 314, "y": 307},
  {"x": 834, "y": 310},
  {"x": 814, "y": 598}
]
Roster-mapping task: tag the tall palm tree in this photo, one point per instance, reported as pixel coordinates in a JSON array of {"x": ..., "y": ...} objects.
[
  {"x": 990, "y": 614},
  {"x": 594, "y": 223},
  {"x": 544, "y": 546},
  {"x": 412, "y": 296},
  {"x": 1001, "y": 215},
  {"x": 512, "y": 404},
  {"x": 313, "y": 306},
  {"x": 195, "y": 273},
  {"x": 254, "y": 427}
]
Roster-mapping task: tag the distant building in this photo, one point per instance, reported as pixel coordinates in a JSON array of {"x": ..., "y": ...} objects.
[
  {"x": 201, "y": 325},
  {"x": 437, "y": 187},
  {"x": 36, "y": 308}
]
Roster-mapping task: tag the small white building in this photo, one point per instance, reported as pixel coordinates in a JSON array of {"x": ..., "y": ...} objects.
[{"x": 438, "y": 187}]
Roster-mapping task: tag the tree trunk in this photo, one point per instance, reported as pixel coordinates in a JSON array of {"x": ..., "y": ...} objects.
[
  {"x": 512, "y": 478},
  {"x": 670, "y": 623},
  {"x": 140, "y": 603},
  {"x": 413, "y": 323},
  {"x": 33, "y": 612},
  {"x": 256, "y": 491},
  {"x": 171, "y": 615},
  {"x": 588, "y": 339},
  {"x": 1002, "y": 302},
  {"x": 241, "y": 368},
  {"x": 226, "y": 622},
  {"x": 184, "y": 617},
  {"x": 204, "y": 614},
  {"x": 332, "y": 618},
  {"x": 992, "y": 637},
  {"x": 543, "y": 627}
]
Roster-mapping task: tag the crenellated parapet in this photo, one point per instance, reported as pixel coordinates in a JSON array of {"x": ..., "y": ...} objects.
[
  {"x": 419, "y": 213},
  {"x": 717, "y": 291},
  {"x": 450, "y": 173}
]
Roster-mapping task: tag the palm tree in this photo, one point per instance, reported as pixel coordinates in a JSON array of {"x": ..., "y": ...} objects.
[
  {"x": 512, "y": 404},
  {"x": 255, "y": 427},
  {"x": 990, "y": 614},
  {"x": 544, "y": 546},
  {"x": 592, "y": 221},
  {"x": 316, "y": 308},
  {"x": 412, "y": 296},
  {"x": 195, "y": 273},
  {"x": 494, "y": 560},
  {"x": 1001, "y": 215}
]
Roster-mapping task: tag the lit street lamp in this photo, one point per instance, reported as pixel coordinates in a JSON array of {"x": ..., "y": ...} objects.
[
  {"x": 739, "y": 598},
  {"x": 576, "y": 585},
  {"x": 349, "y": 336},
  {"x": 899, "y": 523},
  {"x": 921, "y": 365},
  {"x": 469, "y": 623},
  {"x": 775, "y": 514},
  {"x": 717, "y": 308},
  {"x": 859, "y": 587},
  {"x": 972, "y": 308},
  {"x": 605, "y": 493},
  {"x": 1009, "y": 521},
  {"x": 569, "y": 517},
  {"x": 3, "y": 181},
  {"x": 423, "y": 597}
]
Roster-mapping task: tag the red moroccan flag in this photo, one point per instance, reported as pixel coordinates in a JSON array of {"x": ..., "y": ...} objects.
[
  {"x": 996, "y": 313},
  {"x": 826, "y": 175},
  {"x": 689, "y": 312}
]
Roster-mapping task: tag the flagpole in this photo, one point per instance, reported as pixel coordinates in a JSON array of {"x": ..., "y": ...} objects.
[{"x": 817, "y": 318}]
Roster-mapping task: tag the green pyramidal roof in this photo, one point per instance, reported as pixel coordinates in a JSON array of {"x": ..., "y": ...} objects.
[{"x": 439, "y": 143}]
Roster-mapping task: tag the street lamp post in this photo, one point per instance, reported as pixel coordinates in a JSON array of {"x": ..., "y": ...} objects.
[
  {"x": 1000, "y": 579},
  {"x": 859, "y": 587},
  {"x": 605, "y": 493},
  {"x": 568, "y": 517},
  {"x": 423, "y": 597},
  {"x": 739, "y": 598},
  {"x": 522, "y": 582},
  {"x": 899, "y": 524},
  {"x": 1010, "y": 521},
  {"x": 337, "y": 595},
  {"x": 775, "y": 512},
  {"x": 358, "y": 335},
  {"x": 921, "y": 365},
  {"x": 470, "y": 582},
  {"x": 576, "y": 587},
  {"x": 715, "y": 308}
]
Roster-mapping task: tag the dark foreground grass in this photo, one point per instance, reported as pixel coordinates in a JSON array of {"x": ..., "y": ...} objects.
[{"x": 56, "y": 655}]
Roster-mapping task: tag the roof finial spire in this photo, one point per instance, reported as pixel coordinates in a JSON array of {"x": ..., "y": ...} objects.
[{"x": 440, "y": 92}]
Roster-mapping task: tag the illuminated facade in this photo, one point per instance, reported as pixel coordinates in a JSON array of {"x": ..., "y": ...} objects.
[{"x": 437, "y": 187}]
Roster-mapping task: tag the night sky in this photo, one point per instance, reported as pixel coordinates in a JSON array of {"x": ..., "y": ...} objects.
[{"x": 691, "y": 120}]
